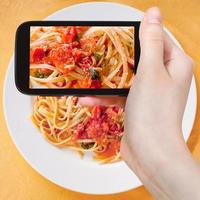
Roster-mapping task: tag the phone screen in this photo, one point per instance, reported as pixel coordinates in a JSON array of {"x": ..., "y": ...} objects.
[{"x": 81, "y": 57}]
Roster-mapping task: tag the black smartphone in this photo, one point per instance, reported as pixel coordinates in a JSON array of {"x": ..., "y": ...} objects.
[{"x": 79, "y": 58}]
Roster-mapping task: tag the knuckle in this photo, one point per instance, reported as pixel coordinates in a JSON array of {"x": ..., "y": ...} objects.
[{"x": 186, "y": 61}]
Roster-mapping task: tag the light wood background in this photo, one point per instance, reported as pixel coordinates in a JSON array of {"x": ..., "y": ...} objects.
[{"x": 17, "y": 179}]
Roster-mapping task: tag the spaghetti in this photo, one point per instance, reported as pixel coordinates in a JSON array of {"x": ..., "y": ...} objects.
[
  {"x": 81, "y": 57},
  {"x": 65, "y": 123}
]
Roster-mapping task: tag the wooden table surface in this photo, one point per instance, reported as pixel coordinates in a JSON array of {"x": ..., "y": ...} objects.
[{"x": 17, "y": 179}]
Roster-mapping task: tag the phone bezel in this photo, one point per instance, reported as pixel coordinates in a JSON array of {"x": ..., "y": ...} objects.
[{"x": 22, "y": 48}]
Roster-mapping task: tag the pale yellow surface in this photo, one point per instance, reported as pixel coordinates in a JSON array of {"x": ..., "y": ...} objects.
[{"x": 17, "y": 179}]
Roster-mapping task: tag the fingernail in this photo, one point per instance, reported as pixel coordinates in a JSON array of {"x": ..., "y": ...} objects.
[{"x": 154, "y": 16}]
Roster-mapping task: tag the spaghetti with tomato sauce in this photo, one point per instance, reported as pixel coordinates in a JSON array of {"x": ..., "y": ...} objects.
[
  {"x": 65, "y": 123},
  {"x": 81, "y": 57}
]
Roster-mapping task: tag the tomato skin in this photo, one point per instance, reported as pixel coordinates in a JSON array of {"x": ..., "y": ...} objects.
[
  {"x": 37, "y": 55},
  {"x": 70, "y": 34},
  {"x": 115, "y": 109},
  {"x": 95, "y": 84},
  {"x": 77, "y": 55},
  {"x": 81, "y": 29},
  {"x": 131, "y": 66}
]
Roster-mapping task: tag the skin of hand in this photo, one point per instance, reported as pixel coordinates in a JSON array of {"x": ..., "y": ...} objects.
[{"x": 153, "y": 145}]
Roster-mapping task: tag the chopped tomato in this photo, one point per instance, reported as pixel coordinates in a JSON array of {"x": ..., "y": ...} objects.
[
  {"x": 114, "y": 128},
  {"x": 95, "y": 129},
  {"x": 46, "y": 71},
  {"x": 61, "y": 57},
  {"x": 111, "y": 149},
  {"x": 77, "y": 55},
  {"x": 75, "y": 44},
  {"x": 88, "y": 44},
  {"x": 98, "y": 127},
  {"x": 56, "y": 131},
  {"x": 80, "y": 132},
  {"x": 81, "y": 29},
  {"x": 115, "y": 109},
  {"x": 37, "y": 54},
  {"x": 97, "y": 111},
  {"x": 95, "y": 84},
  {"x": 61, "y": 53},
  {"x": 131, "y": 66},
  {"x": 69, "y": 34},
  {"x": 86, "y": 62},
  {"x": 75, "y": 85}
]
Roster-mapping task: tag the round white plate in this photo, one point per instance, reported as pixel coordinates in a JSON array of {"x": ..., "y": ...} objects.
[{"x": 64, "y": 167}]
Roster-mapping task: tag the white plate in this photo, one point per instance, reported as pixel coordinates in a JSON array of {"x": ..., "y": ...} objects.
[{"x": 64, "y": 167}]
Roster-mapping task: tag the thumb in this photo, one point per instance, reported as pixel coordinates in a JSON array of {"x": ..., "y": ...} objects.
[{"x": 151, "y": 40}]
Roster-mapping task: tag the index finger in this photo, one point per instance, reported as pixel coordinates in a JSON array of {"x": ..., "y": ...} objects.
[{"x": 104, "y": 101}]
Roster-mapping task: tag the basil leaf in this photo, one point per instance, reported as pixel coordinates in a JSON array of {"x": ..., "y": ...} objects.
[
  {"x": 87, "y": 145},
  {"x": 94, "y": 74}
]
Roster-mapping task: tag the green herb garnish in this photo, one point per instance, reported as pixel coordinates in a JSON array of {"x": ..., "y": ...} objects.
[
  {"x": 97, "y": 56},
  {"x": 87, "y": 145},
  {"x": 94, "y": 74},
  {"x": 39, "y": 74}
]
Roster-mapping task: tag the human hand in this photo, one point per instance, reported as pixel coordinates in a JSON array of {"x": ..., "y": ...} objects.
[{"x": 153, "y": 145}]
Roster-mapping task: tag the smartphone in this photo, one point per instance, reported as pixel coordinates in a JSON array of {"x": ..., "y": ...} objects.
[{"x": 79, "y": 58}]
